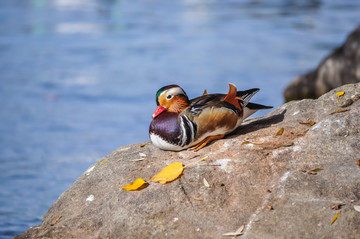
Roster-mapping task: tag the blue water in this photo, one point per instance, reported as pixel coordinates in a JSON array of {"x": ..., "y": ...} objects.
[{"x": 78, "y": 78}]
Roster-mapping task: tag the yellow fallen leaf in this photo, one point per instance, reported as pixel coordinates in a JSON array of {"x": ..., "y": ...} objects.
[
  {"x": 169, "y": 173},
  {"x": 55, "y": 221},
  {"x": 172, "y": 172},
  {"x": 143, "y": 145},
  {"x": 246, "y": 142},
  {"x": 103, "y": 162},
  {"x": 197, "y": 199},
  {"x": 137, "y": 185},
  {"x": 340, "y": 93},
  {"x": 339, "y": 111},
  {"x": 280, "y": 132},
  {"x": 335, "y": 217},
  {"x": 311, "y": 123}
]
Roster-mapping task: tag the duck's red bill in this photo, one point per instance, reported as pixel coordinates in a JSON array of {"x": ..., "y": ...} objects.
[{"x": 159, "y": 110}]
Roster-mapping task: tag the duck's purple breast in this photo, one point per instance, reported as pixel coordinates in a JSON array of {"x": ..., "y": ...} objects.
[{"x": 166, "y": 126}]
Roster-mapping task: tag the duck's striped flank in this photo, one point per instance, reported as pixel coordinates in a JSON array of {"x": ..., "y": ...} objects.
[{"x": 188, "y": 130}]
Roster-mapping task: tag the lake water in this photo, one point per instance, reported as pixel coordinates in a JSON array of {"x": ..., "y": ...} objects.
[{"x": 78, "y": 78}]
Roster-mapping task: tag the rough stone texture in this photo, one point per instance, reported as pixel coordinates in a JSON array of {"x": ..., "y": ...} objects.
[
  {"x": 245, "y": 180},
  {"x": 341, "y": 67}
]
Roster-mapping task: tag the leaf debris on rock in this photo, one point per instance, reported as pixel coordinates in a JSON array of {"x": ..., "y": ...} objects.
[
  {"x": 311, "y": 123},
  {"x": 357, "y": 208},
  {"x": 55, "y": 221},
  {"x": 137, "y": 185},
  {"x": 337, "y": 206},
  {"x": 206, "y": 183},
  {"x": 280, "y": 132},
  {"x": 238, "y": 232},
  {"x": 339, "y": 111},
  {"x": 287, "y": 144},
  {"x": 335, "y": 217},
  {"x": 314, "y": 171}
]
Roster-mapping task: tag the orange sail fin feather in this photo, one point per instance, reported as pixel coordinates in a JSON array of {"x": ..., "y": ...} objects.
[{"x": 231, "y": 96}]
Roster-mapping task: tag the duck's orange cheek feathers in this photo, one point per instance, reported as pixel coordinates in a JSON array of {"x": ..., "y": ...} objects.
[{"x": 159, "y": 109}]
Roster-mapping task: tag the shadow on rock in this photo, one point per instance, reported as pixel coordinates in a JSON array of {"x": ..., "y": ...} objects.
[{"x": 255, "y": 124}]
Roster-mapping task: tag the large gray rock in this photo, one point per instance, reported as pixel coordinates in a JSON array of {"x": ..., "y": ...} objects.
[
  {"x": 264, "y": 185},
  {"x": 341, "y": 67}
]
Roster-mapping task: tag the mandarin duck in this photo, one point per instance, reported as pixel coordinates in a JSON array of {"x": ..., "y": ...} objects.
[{"x": 179, "y": 123}]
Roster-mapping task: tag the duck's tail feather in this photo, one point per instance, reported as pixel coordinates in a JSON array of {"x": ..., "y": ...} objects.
[
  {"x": 246, "y": 95},
  {"x": 251, "y": 108}
]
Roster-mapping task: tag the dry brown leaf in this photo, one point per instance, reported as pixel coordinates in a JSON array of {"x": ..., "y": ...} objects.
[
  {"x": 315, "y": 171},
  {"x": 311, "y": 123},
  {"x": 335, "y": 217},
  {"x": 137, "y": 185},
  {"x": 287, "y": 144},
  {"x": 141, "y": 145},
  {"x": 337, "y": 206},
  {"x": 270, "y": 207},
  {"x": 238, "y": 232},
  {"x": 358, "y": 162},
  {"x": 339, "y": 111},
  {"x": 137, "y": 160},
  {"x": 169, "y": 173},
  {"x": 357, "y": 208},
  {"x": 311, "y": 172},
  {"x": 55, "y": 221},
  {"x": 206, "y": 183},
  {"x": 197, "y": 199},
  {"x": 280, "y": 132}
]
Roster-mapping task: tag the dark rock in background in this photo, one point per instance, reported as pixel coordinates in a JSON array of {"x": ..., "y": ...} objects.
[
  {"x": 257, "y": 179},
  {"x": 339, "y": 68}
]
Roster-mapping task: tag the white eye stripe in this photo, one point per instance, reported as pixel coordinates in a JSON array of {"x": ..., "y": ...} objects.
[{"x": 176, "y": 91}]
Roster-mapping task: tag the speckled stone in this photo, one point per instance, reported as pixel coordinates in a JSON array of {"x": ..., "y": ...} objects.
[{"x": 247, "y": 174}]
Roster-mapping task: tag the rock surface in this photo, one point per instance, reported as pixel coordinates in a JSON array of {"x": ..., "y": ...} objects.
[
  {"x": 341, "y": 67},
  {"x": 256, "y": 178}
]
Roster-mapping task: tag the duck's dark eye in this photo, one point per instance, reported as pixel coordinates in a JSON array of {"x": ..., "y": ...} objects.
[{"x": 169, "y": 97}]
